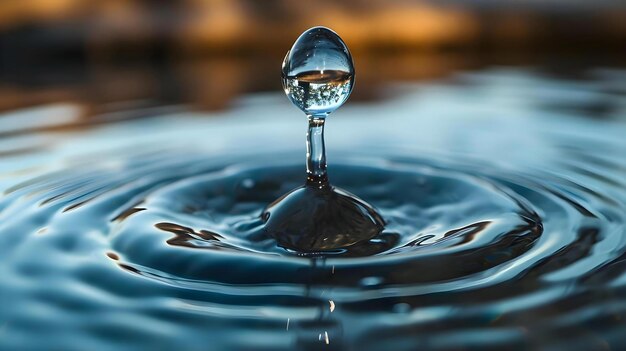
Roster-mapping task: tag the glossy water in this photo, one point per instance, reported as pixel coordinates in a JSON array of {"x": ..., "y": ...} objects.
[{"x": 503, "y": 193}]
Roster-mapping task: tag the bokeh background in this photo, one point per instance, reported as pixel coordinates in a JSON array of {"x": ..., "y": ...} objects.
[
  {"x": 135, "y": 55},
  {"x": 117, "y": 116}
]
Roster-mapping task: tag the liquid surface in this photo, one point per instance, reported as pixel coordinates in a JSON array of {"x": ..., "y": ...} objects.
[{"x": 503, "y": 193}]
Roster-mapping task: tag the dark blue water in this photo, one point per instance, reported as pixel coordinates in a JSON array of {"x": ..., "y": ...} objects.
[{"x": 503, "y": 191}]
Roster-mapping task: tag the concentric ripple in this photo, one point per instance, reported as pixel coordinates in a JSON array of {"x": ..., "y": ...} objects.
[
  {"x": 162, "y": 248},
  {"x": 431, "y": 214}
]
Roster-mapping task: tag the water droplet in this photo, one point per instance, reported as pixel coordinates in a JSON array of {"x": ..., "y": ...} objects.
[
  {"x": 317, "y": 76},
  {"x": 318, "y": 73}
]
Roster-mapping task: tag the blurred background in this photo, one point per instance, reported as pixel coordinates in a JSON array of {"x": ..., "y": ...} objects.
[{"x": 132, "y": 55}]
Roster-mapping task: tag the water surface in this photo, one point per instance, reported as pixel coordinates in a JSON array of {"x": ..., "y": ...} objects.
[{"x": 503, "y": 189}]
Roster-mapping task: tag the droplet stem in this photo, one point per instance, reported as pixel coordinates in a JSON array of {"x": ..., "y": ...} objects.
[{"x": 316, "y": 152}]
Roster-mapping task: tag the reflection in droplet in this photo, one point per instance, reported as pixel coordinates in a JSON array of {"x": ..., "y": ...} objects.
[{"x": 318, "y": 73}]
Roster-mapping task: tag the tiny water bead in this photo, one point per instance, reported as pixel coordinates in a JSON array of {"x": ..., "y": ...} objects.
[{"x": 318, "y": 76}]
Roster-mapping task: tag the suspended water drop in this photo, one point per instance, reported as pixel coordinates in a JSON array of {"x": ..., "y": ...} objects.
[
  {"x": 318, "y": 73},
  {"x": 318, "y": 76}
]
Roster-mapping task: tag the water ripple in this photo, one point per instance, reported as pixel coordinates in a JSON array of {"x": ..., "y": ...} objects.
[{"x": 494, "y": 239}]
